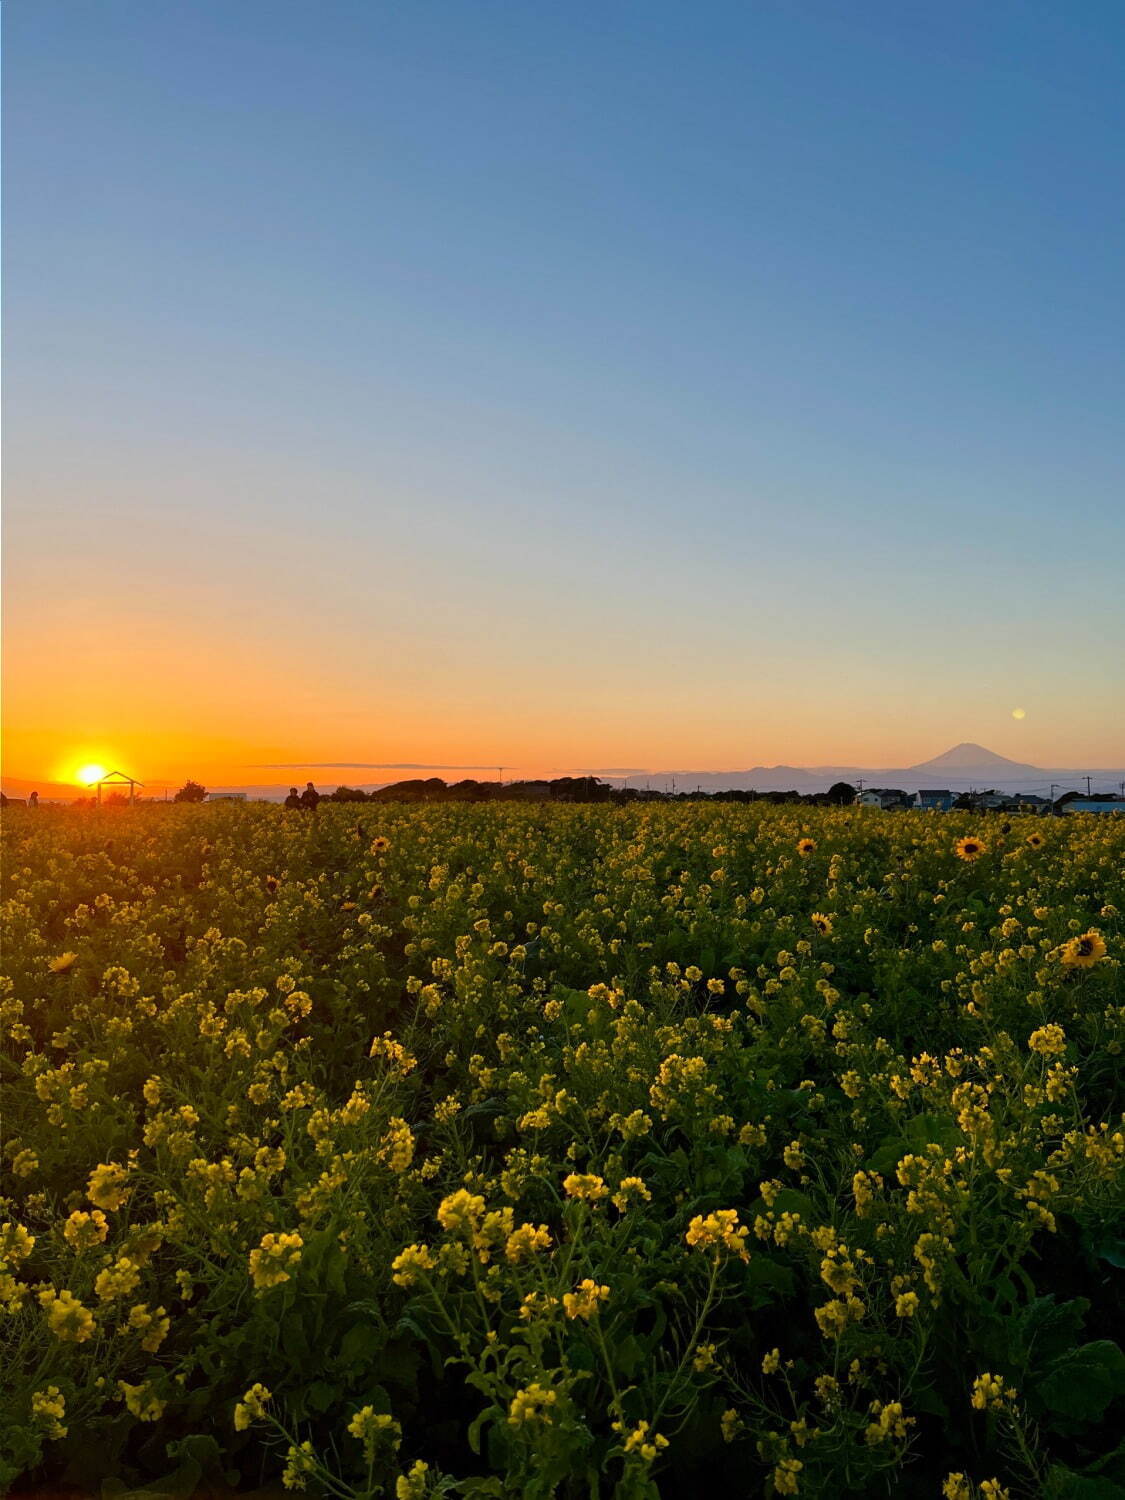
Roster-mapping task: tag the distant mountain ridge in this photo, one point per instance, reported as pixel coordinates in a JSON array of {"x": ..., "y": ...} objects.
[
  {"x": 962, "y": 768},
  {"x": 968, "y": 757}
]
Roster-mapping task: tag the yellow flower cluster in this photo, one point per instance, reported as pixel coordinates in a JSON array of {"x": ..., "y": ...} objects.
[
  {"x": 642, "y": 1441},
  {"x": 48, "y": 1408},
  {"x": 532, "y": 1404},
  {"x": 991, "y": 1394},
  {"x": 585, "y": 1300},
  {"x": 67, "y": 1318},
  {"x": 718, "y": 1230},
  {"x": 106, "y": 1186},
  {"x": 252, "y": 1407},
  {"x": 274, "y": 1259}
]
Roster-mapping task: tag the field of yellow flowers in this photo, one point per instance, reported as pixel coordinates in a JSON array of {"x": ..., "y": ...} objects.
[{"x": 563, "y": 1151}]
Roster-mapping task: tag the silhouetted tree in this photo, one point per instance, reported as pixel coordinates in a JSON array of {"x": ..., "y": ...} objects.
[
  {"x": 841, "y": 794},
  {"x": 191, "y": 791}
]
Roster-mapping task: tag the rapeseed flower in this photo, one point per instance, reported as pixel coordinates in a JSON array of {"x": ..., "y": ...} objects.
[
  {"x": 408, "y": 1264},
  {"x": 48, "y": 1408},
  {"x": 252, "y": 1407},
  {"x": 373, "y": 1428},
  {"x": 526, "y": 1241},
  {"x": 461, "y": 1212},
  {"x": 585, "y": 1300},
  {"x": 412, "y": 1484},
  {"x": 718, "y": 1230},
  {"x": 142, "y": 1401},
  {"x": 1048, "y": 1041},
  {"x": 117, "y": 1280},
  {"x": 532, "y": 1404},
  {"x": 105, "y": 1187},
  {"x": 67, "y": 1318},
  {"x": 628, "y": 1189},
  {"x": 274, "y": 1258},
  {"x": 16, "y": 1243},
  {"x": 642, "y": 1440},
  {"x": 785, "y": 1476},
  {"x": 991, "y": 1394},
  {"x": 585, "y": 1185},
  {"x": 300, "y": 1462}
]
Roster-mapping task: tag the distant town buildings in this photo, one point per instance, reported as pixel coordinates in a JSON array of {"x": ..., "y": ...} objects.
[
  {"x": 882, "y": 796},
  {"x": 942, "y": 799},
  {"x": 934, "y": 801}
]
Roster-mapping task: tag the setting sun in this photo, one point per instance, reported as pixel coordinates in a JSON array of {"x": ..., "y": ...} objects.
[{"x": 88, "y": 775}]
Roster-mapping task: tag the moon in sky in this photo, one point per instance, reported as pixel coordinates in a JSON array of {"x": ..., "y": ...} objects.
[{"x": 1019, "y": 713}]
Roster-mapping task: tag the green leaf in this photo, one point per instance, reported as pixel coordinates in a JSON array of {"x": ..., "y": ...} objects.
[
  {"x": 628, "y": 1356},
  {"x": 360, "y": 1345},
  {"x": 1048, "y": 1328},
  {"x": 478, "y": 1422},
  {"x": 1081, "y": 1383},
  {"x": 1064, "y": 1484},
  {"x": 320, "y": 1395}
]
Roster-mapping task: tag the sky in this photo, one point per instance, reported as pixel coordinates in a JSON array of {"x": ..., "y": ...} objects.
[{"x": 564, "y": 387}]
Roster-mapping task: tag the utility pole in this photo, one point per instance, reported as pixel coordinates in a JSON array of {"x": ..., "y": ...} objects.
[
  {"x": 1087, "y": 781},
  {"x": 500, "y": 774}
]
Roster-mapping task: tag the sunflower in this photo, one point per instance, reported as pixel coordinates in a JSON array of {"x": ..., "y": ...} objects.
[
  {"x": 1035, "y": 840},
  {"x": 1082, "y": 952},
  {"x": 822, "y": 923},
  {"x": 969, "y": 849},
  {"x": 61, "y": 964},
  {"x": 806, "y": 846}
]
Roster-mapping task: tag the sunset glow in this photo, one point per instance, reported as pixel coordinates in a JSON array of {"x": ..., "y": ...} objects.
[{"x": 89, "y": 774}]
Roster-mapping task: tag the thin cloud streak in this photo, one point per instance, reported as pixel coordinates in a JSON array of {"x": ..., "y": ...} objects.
[
  {"x": 364, "y": 765},
  {"x": 603, "y": 771}
]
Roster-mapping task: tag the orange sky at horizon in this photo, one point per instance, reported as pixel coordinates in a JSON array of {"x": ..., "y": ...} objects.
[
  {"x": 234, "y": 726},
  {"x": 151, "y": 646}
]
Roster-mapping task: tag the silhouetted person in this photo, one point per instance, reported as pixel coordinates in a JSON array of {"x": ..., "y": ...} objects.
[
  {"x": 310, "y": 797},
  {"x": 293, "y": 800},
  {"x": 33, "y": 800}
]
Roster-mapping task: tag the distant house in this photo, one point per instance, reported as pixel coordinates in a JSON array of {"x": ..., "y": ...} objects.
[
  {"x": 934, "y": 801},
  {"x": 1095, "y": 805},
  {"x": 1030, "y": 802},
  {"x": 226, "y": 796},
  {"x": 995, "y": 802},
  {"x": 886, "y": 797}
]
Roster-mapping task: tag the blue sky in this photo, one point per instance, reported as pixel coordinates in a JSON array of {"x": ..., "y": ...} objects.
[{"x": 635, "y": 384}]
